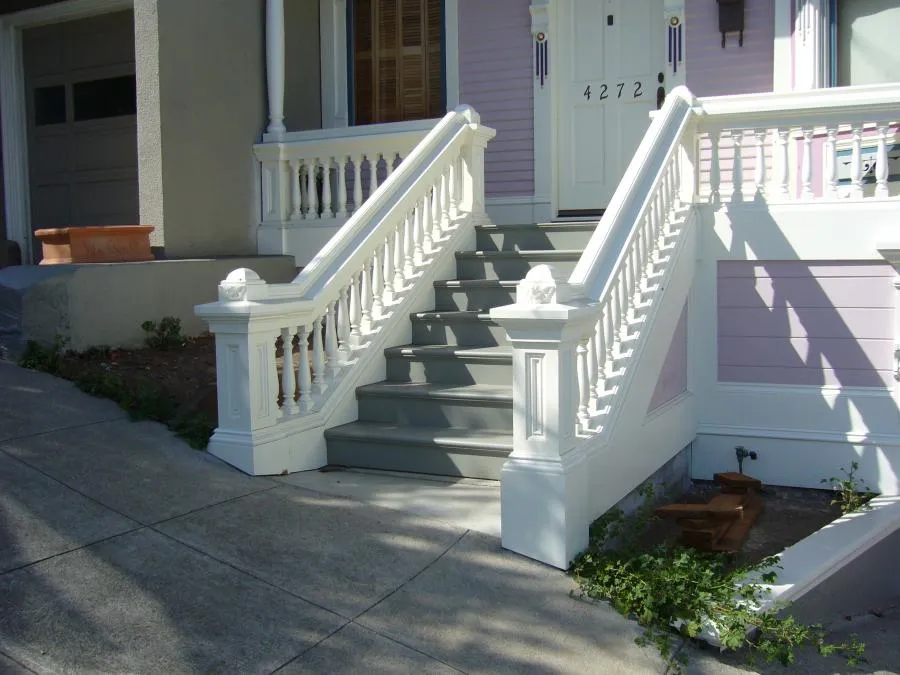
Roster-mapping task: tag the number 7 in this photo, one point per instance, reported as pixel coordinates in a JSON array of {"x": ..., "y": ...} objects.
[{"x": 621, "y": 86}]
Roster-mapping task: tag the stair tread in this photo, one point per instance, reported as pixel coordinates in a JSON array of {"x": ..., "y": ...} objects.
[
  {"x": 502, "y": 353},
  {"x": 495, "y": 441},
  {"x": 426, "y": 390},
  {"x": 580, "y": 226},
  {"x": 550, "y": 254},
  {"x": 476, "y": 283},
  {"x": 453, "y": 315}
]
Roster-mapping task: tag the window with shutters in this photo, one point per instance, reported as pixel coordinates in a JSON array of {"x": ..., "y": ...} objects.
[{"x": 397, "y": 60}]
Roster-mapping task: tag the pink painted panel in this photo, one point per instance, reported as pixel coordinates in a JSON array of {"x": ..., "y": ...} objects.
[
  {"x": 673, "y": 376},
  {"x": 790, "y": 322},
  {"x": 714, "y": 71},
  {"x": 495, "y": 77}
]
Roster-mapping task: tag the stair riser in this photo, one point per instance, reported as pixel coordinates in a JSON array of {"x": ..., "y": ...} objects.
[
  {"x": 530, "y": 239},
  {"x": 506, "y": 270},
  {"x": 463, "y": 333},
  {"x": 472, "y": 299},
  {"x": 429, "y": 412},
  {"x": 448, "y": 371},
  {"x": 414, "y": 458}
]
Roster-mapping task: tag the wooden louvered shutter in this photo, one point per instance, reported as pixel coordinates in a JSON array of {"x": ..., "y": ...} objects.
[{"x": 398, "y": 65}]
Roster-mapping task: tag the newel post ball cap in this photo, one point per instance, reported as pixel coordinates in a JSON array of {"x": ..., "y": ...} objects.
[
  {"x": 543, "y": 285},
  {"x": 242, "y": 284}
]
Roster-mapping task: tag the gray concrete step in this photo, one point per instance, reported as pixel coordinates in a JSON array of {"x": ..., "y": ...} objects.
[
  {"x": 473, "y": 294},
  {"x": 511, "y": 265},
  {"x": 472, "y": 453},
  {"x": 469, "y": 406},
  {"x": 446, "y": 364},
  {"x": 471, "y": 329},
  {"x": 545, "y": 236}
]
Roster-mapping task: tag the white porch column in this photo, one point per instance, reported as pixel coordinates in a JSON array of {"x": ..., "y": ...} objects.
[
  {"x": 275, "y": 64},
  {"x": 811, "y": 62},
  {"x": 544, "y": 506}
]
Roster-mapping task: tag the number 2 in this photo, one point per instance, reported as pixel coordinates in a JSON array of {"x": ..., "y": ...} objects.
[
  {"x": 637, "y": 89},
  {"x": 603, "y": 94}
]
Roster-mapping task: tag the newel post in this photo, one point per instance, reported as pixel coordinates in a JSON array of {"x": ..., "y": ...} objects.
[
  {"x": 544, "y": 505},
  {"x": 246, "y": 375},
  {"x": 472, "y": 178}
]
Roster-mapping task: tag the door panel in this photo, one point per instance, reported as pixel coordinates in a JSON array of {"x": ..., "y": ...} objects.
[{"x": 611, "y": 56}]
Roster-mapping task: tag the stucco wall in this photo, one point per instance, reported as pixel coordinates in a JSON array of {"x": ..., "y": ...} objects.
[
  {"x": 495, "y": 77},
  {"x": 673, "y": 376},
  {"x": 714, "y": 71},
  {"x": 302, "y": 77},
  {"x": 802, "y": 323},
  {"x": 201, "y": 107}
]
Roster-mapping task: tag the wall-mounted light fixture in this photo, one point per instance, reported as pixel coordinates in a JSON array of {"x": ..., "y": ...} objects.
[{"x": 731, "y": 19}]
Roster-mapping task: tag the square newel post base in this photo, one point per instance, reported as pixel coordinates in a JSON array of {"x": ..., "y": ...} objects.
[
  {"x": 271, "y": 452},
  {"x": 543, "y": 485}
]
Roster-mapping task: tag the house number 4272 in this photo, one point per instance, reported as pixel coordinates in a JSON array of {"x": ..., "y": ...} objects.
[{"x": 628, "y": 90}]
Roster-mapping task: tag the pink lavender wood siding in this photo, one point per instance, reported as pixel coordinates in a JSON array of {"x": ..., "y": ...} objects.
[
  {"x": 495, "y": 77},
  {"x": 806, "y": 323},
  {"x": 713, "y": 71},
  {"x": 673, "y": 376}
]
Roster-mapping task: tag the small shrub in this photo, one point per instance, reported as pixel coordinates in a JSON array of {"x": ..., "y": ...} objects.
[
  {"x": 663, "y": 586},
  {"x": 44, "y": 357},
  {"x": 163, "y": 335},
  {"x": 852, "y": 493}
]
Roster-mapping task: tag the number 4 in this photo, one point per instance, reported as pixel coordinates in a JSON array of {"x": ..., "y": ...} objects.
[{"x": 587, "y": 92}]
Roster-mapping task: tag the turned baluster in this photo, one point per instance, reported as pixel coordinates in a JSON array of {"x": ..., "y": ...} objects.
[
  {"x": 759, "y": 170},
  {"x": 342, "y": 187},
  {"x": 856, "y": 186},
  {"x": 305, "y": 381},
  {"x": 409, "y": 263},
  {"x": 332, "y": 361},
  {"x": 288, "y": 380},
  {"x": 399, "y": 281},
  {"x": 454, "y": 189},
  {"x": 806, "y": 190},
  {"x": 377, "y": 284},
  {"x": 373, "y": 167},
  {"x": 715, "y": 174},
  {"x": 445, "y": 198},
  {"x": 737, "y": 172},
  {"x": 599, "y": 339},
  {"x": 427, "y": 225},
  {"x": 593, "y": 370},
  {"x": 388, "y": 271},
  {"x": 365, "y": 298},
  {"x": 881, "y": 163},
  {"x": 355, "y": 312},
  {"x": 304, "y": 196},
  {"x": 783, "y": 162},
  {"x": 327, "y": 206},
  {"x": 830, "y": 161},
  {"x": 418, "y": 253},
  {"x": 581, "y": 354},
  {"x": 312, "y": 197},
  {"x": 296, "y": 195},
  {"x": 676, "y": 176},
  {"x": 436, "y": 210},
  {"x": 610, "y": 338},
  {"x": 623, "y": 304},
  {"x": 343, "y": 319},
  {"x": 357, "y": 182},
  {"x": 318, "y": 360}
]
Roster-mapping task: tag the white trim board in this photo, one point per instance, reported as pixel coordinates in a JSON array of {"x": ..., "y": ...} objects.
[
  {"x": 333, "y": 59},
  {"x": 519, "y": 210},
  {"x": 13, "y": 125}
]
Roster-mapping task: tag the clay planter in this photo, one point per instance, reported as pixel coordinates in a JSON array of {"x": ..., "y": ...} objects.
[{"x": 95, "y": 244}]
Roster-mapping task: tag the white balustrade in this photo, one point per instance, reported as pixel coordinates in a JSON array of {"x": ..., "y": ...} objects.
[{"x": 351, "y": 295}]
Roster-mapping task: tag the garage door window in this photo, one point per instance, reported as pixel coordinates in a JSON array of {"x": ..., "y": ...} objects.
[
  {"x": 50, "y": 105},
  {"x": 99, "y": 99}
]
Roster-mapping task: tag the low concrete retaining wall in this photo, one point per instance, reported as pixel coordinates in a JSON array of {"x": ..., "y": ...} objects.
[{"x": 105, "y": 304}]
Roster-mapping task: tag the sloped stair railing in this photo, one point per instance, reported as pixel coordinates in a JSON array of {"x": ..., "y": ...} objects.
[
  {"x": 290, "y": 356},
  {"x": 580, "y": 343}
]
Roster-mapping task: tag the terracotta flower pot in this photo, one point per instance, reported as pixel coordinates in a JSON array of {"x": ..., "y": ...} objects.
[{"x": 95, "y": 244}]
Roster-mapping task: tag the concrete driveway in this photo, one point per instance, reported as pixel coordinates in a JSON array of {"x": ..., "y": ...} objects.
[{"x": 122, "y": 550}]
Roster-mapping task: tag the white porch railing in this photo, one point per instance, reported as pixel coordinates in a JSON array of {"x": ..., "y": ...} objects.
[
  {"x": 313, "y": 181},
  {"x": 289, "y": 356},
  {"x": 582, "y": 440}
]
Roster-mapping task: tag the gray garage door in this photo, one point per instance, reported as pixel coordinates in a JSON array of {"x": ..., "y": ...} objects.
[{"x": 80, "y": 87}]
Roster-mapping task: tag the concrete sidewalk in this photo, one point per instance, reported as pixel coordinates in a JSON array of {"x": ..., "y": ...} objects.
[{"x": 123, "y": 550}]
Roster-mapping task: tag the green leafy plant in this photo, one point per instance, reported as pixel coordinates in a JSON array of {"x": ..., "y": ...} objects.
[
  {"x": 163, "y": 335},
  {"x": 663, "y": 586},
  {"x": 852, "y": 492},
  {"x": 44, "y": 357}
]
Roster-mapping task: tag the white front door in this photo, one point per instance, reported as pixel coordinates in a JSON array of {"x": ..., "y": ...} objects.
[{"x": 611, "y": 66}]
